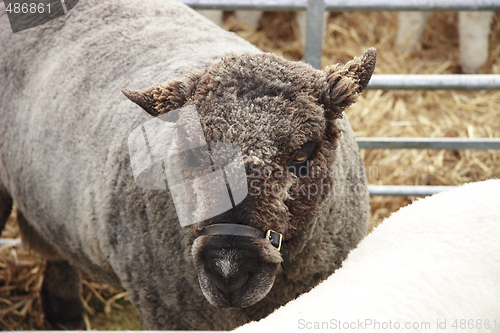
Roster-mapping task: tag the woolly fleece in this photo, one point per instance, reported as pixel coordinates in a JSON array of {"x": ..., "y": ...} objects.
[
  {"x": 64, "y": 157},
  {"x": 434, "y": 261}
]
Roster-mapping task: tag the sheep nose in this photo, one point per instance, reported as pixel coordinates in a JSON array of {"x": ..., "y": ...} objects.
[{"x": 230, "y": 286}]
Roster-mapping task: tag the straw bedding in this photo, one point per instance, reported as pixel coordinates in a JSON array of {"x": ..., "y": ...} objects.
[{"x": 377, "y": 113}]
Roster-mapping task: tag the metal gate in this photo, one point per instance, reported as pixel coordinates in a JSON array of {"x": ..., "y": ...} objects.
[{"x": 312, "y": 55}]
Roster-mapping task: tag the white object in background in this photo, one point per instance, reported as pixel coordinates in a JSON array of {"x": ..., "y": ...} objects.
[
  {"x": 473, "y": 29},
  {"x": 433, "y": 266}
]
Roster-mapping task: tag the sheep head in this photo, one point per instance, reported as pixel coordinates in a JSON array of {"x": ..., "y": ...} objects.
[{"x": 282, "y": 115}]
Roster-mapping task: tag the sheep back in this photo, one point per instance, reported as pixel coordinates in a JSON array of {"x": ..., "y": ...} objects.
[{"x": 64, "y": 158}]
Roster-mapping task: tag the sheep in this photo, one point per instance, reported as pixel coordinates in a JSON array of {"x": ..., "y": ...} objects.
[
  {"x": 66, "y": 162},
  {"x": 474, "y": 30},
  {"x": 431, "y": 266}
]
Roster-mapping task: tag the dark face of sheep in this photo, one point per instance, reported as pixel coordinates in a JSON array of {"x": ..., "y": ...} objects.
[{"x": 282, "y": 116}]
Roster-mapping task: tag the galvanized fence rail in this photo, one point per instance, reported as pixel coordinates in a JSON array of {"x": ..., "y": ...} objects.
[
  {"x": 435, "y": 81},
  {"x": 313, "y": 51},
  {"x": 429, "y": 143},
  {"x": 347, "y": 5},
  {"x": 315, "y": 9}
]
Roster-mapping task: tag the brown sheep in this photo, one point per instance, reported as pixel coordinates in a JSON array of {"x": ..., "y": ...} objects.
[{"x": 64, "y": 161}]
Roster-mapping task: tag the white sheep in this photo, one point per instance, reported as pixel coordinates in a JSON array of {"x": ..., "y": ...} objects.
[
  {"x": 473, "y": 28},
  {"x": 433, "y": 266}
]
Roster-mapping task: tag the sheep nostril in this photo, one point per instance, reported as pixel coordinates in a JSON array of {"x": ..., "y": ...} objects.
[
  {"x": 229, "y": 287},
  {"x": 236, "y": 283}
]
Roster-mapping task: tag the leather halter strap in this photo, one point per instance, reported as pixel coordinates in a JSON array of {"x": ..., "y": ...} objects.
[{"x": 233, "y": 229}]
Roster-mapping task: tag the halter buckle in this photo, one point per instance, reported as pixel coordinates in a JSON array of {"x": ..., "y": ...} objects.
[{"x": 275, "y": 238}]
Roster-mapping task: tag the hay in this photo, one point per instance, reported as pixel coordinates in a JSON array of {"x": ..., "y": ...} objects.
[
  {"x": 417, "y": 113},
  {"x": 377, "y": 113},
  {"x": 405, "y": 113},
  {"x": 20, "y": 282},
  {"x": 21, "y": 278}
]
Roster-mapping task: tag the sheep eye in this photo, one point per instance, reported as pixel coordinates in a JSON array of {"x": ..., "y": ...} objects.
[
  {"x": 298, "y": 163},
  {"x": 304, "y": 152},
  {"x": 301, "y": 157}
]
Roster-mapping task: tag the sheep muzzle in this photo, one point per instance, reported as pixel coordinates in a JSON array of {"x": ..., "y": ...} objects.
[{"x": 236, "y": 264}]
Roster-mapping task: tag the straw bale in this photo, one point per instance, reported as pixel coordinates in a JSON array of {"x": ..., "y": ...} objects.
[{"x": 377, "y": 113}]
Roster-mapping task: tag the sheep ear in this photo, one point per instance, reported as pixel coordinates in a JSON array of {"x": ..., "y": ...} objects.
[
  {"x": 143, "y": 98},
  {"x": 346, "y": 82},
  {"x": 158, "y": 100}
]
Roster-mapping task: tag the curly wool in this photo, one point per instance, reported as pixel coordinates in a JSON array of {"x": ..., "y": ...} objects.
[{"x": 64, "y": 156}]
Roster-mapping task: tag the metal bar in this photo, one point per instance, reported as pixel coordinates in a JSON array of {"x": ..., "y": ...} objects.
[
  {"x": 247, "y": 4},
  {"x": 314, "y": 33},
  {"x": 395, "y": 82},
  {"x": 10, "y": 242},
  {"x": 404, "y": 190},
  {"x": 314, "y": 25},
  {"x": 416, "y": 5},
  {"x": 348, "y": 5},
  {"x": 429, "y": 143},
  {"x": 435, "y": 81}
]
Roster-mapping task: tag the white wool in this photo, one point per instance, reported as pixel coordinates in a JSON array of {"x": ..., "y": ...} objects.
[
  {"x": 473, "y": 30},
  {"x": 252, "y": 18},
  {"x": 411, "y": 27},
  {"x": 433, "y": 265}
]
